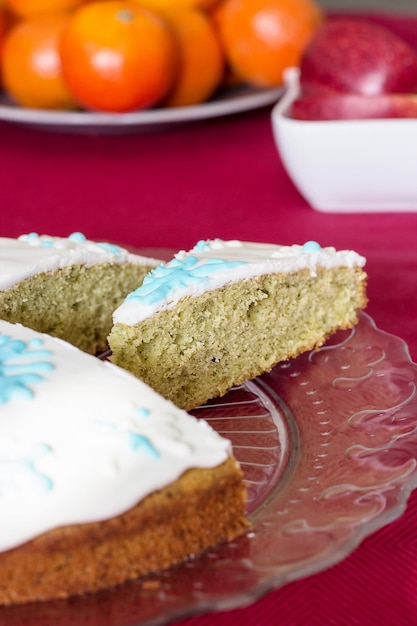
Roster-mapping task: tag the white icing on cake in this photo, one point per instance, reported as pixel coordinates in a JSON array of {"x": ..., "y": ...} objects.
[
  {"x": 214, "y": 264},
  {"x": 33, "y": 254},
  {"x": 82, "y": 440}
]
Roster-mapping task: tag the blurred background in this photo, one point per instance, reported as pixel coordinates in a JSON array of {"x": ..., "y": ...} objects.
[{"x": 391, "y": 5}]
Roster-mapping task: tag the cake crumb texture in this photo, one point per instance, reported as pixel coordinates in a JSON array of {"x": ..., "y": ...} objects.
[
  {"x": 205, "y": 345},
  {"x": 74, "y": 303}
]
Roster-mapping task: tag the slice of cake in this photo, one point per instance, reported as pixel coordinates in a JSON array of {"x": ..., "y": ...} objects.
[
  {"x": 227, "y": 311},
  {"x": 101, "y": 479},
  {"x": 67, "y": 287}
]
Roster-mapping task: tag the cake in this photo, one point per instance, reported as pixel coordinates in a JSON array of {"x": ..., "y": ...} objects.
[
  {"x": 101, "y": 479},
  {"x": 227, "y": 311},
  {"x": 67, "y": 287}
]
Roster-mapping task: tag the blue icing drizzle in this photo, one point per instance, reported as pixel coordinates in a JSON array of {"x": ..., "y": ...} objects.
[
  {"x": 137, "y": 441},
  {"x": 311, "y": 246},
  {"x": 204, "y": 245},
  {"x": 140, "y": 441},
  {"x": 35, "y": 238},
  {"x": 110, "y": 247},
  {"x": 77, "y": 237},
  {"x": 178, "y": 274},
  {"x": 17, "y": 378},
  {"x": 25, "y": 467},
  {"x": 34, "y": 343},
  {"x": 32, "y": 238}
]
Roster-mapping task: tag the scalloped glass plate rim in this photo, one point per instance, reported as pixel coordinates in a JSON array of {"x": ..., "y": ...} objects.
[
  {"x": 369, "y": 527},
  {"x": 230, "y": 101}
]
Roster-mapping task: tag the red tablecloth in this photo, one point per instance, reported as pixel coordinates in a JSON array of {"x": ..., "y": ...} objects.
[{"x": 223, "y": 178}]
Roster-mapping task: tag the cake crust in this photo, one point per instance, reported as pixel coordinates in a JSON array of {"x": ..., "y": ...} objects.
[{"x": 203, "y": 508}]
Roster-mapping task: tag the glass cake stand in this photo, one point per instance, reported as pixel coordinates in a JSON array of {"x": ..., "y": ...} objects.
[{"x": 328, "y": 446}]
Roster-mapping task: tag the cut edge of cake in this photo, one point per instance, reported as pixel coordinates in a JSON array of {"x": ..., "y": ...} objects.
[
  {"x": 67, "y": 287},
  {"x": 226, "y": 312}
]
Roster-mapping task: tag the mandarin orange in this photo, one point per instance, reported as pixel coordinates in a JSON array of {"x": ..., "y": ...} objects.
[
  {"x": 2, "y": 27},
  {"x": 263, "y": 37},
  {"x": 2, "y": 36},
  {"x": 31, "y": 64},
  {"x": 31, "y": 8},
  {"x": 118, "y": 57},
  {"x": 164, "y": 5},
  {"x": 201, "y": 60}
]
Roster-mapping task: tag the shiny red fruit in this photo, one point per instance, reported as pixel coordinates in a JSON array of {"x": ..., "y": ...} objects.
[
  {"x": 338, "y": 106},
  {"x": 358, "y": 56}
]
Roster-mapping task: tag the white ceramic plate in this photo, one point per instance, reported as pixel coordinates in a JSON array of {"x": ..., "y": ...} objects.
[
  {"x": 228, "y": 102},
  {"x": 350, "y": 166}
]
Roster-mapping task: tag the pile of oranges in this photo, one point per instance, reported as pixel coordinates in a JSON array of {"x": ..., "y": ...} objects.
[{"x": 124, "y": 55}]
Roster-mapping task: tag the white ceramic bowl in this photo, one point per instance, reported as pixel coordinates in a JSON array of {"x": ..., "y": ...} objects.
[{"x": 347, "y": 165}]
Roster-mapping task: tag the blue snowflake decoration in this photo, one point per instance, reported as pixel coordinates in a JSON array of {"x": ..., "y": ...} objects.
[
  {"x": 137, "y": 441},
  {"x": 178, "y": 274},
  {"x": 22, "y": 365},
  {"x": 23, "y": 471}
]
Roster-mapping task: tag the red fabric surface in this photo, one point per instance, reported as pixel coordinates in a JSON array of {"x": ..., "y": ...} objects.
[{"x": 223, "y": 178}]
